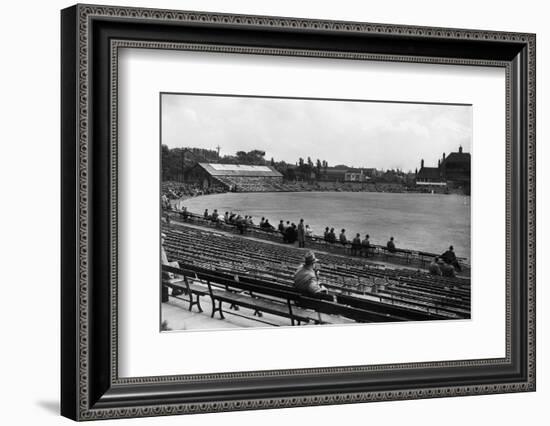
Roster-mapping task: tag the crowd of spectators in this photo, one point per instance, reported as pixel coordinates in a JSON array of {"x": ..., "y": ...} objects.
[
  {"x": 176, "y": 190},
  {"x": 445, "y": 265}
]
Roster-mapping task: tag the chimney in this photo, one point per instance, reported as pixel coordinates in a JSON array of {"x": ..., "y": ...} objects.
[
  {"x": 422, "y": 163},
  {"x": 460, "y": 149}
]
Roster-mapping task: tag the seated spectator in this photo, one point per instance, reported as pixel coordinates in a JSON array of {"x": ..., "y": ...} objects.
[
  {"x": 434, "y": 267},
  {"x": 215, "y": 215},
  {"x": 391, "y": 245},
  {"x": 306, "y": 278},
  {"x": 356, "y": 245},
  {"x": 291, "y": 234},
  {"x": 343, "y": 238},
  {"x": 206, "y": 215},
  {"x": 262, "y": 222},
  {"x": 184, "y": 214},
  {"x": 446, "y": 269},
  {"x": 449, "y": 257},
  {"x": 309, "y": 231},
  {"x": 266, "y": 225},
  {"x": 365, "y": 246}
]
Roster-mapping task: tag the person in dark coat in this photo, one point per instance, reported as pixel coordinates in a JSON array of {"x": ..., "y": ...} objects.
[
  {"x": 241, "y": 224},
  {"x": 343, "y": 238},
  {"x": 446, "y": 269},
  {"x": 391, "y": 245},
  {"x": 291, "y": 234},
  {"x": 356, "y": 245},
  {"x": 449, "y": 257},
  {"x": 331, "y": 237},
  {"x": 326, "y": 233},
  {"x": 365, "y": 246},
  {"x": 267, "y": 226}
]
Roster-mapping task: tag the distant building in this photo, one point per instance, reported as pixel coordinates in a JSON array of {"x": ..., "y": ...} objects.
[
  {"x": 355, "y": 175},
  {"x": 452, "y": 171},
  {"x": 372, "y": 172},
  {"x": 455, "y": 168},
  {"x": 344, "y": 174},
  {"x": 333, "y": 174},
  {"x": 235, "y": 177}
]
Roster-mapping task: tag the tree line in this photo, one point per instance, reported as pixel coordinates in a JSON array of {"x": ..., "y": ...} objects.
[{"x": 177, "y": 162}]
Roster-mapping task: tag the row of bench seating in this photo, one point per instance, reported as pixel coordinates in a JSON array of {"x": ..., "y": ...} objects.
[
  {"x": 407, "y": 289},
  {"x": 276, "y": 299}
]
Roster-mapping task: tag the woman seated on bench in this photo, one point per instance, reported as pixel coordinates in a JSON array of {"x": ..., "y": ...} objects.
[{"x": 306, "y": 278}]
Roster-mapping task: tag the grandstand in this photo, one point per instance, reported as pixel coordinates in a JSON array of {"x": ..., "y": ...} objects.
[
  {"x": 258, "y": 276},
  {"x": 236, "y": 177}
]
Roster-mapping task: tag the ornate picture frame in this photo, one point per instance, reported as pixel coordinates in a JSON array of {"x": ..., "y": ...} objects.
[{"x": 90, "y": 39}]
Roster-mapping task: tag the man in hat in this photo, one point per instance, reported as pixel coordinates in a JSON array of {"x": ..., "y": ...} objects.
[
  {"x": 449, "y": 257},
  {"x": 306, "y": 278}
]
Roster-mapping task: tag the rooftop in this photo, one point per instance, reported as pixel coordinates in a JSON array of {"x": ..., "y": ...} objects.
[{"x": 216, "y": 169}]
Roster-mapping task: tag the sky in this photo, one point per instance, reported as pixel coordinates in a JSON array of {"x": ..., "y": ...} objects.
[{"x": 382, "y": 135}]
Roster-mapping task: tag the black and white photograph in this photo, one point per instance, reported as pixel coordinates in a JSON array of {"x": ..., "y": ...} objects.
[
  {"x": 279, "y": 211},
  {"x": 277, "y": 208}
]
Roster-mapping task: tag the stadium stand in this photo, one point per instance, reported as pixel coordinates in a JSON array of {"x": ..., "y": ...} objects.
[{"x": 353, "y": 282}]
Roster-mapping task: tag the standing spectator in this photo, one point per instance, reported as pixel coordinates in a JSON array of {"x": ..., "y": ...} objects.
[
  {"x": 281, "y": 227},
  {"x": 301, "y": 234},
  {"x": 343, "y": 238},
  {"x": 391, "y": 245},
  {"x": 241, "y": 225},
  {"x": 326, "y": 234},
  {"x": 365, "y": 245},
  {"x": 309, "y": 231},
  {"x": 331, "y": 236},
  {"x": 226, "y": 217},
  {"x": 356, "y": 245}
]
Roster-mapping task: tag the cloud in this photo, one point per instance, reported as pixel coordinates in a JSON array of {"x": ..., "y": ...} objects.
[{"x": 367, "y": 134}]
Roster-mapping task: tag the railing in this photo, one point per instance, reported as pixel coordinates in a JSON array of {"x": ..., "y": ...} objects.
[{"x": 398, "y": 255}]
